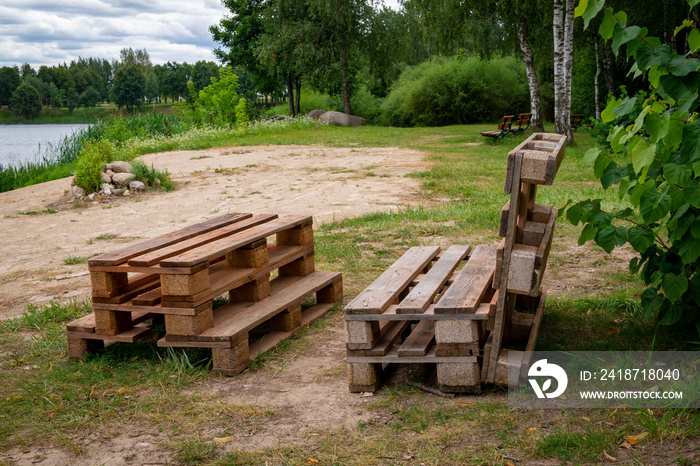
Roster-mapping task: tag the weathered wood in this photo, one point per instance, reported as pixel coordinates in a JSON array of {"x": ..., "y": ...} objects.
[
  {"x": 419, "y": 341},
  {"x": 389, "y": 285},
  {"x": 123, "y": 255},
  {"x": 471, "y": 285},
  {"x": 393, "y": 357},
  {"x": 155, "y": 257},
  {"x": 423, "y": 294},
  {"x": 539, "y": 163},
  {"x": 225, "y": 245}
]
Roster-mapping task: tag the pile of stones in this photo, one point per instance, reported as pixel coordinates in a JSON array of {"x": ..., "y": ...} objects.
[{"x": 117, "y": 180}]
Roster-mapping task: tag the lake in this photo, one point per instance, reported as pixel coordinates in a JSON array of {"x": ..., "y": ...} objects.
[{"x": 27, "y": 143}]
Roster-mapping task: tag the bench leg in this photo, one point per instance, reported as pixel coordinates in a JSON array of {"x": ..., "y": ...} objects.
[
  {"x": 364, "y": 377},
  {"x": 78, "y": 348},
  {"x": 233, "y": 360}
]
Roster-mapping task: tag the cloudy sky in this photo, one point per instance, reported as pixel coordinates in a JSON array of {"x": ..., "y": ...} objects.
[{"x": 49, "y": 32}]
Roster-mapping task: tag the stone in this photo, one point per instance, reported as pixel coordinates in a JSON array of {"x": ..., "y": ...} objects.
[
  {"x": 118, "y": 192},
  {"x": 156, "y": 183},
  {"x": 106, "y": 188},
  {"x": 92, "y": 196},
  {"x": 136, "y": 186},
  {"x": 122, "y": 179},
  {"x": 126, "y": 193},
  {"x": 315, "y": 114},
  {"x": 109, "y": 173},
  {"x": 119, "y": 167},
  {"x": 78, "y": 192},
  {"x": 341, "y": 119},
  {"x": 106, "y": 178}
]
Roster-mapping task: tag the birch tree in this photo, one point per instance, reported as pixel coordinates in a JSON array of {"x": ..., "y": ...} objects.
[{"x": 563, "y": 25}]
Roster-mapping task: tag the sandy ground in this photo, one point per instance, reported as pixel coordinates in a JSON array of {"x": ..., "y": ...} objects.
[{"x": 328, "y": 183}]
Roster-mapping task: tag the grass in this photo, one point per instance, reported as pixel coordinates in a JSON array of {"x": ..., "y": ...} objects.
[{"x": 46, "y": 399}]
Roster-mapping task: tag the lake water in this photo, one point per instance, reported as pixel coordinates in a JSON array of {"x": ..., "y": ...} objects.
[{"x": 27, "y": 143}]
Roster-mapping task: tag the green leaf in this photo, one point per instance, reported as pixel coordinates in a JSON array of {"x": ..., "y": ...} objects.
[
  {"x": 600, "y": 165},
  {"x": 607, "y": 26},
  {"x": 573, "y": 214},
  {"x": 591, "y": 10},
  {"x": 642, "y": 155},
  {"x": 674, "y": 286},
  {"x": 686, "y": 101},
  {"x": 692, "y": 3},
  {"x": 613, "y": 175},
  {"x": 691, "y": 193},
  {"x": 656, "y": 126},
  {"x": 608, "y": 114},
  {"x": 591, "y": 155},
  {"x": 651, "y": 301},
  {"x": 685, "y": 24},
  {"x": 608, "y": 237},
  {"x": 696, "y": 168},
  {"x": 636, "y": 194},
  {"x": 689, "y": 250},
  {"x": 673, "y": 223},
  {"x": 675, "y": 134},
  {"x": 588, "y": 233},
  {"x": 581, "y": 8},
  {"x": 693, "y": 40},
  {"x": 681, "y": 66},
  {"x": 677, "y": 174},
  {"x": 641, "y": 238},
  {"x": 677, "y": 86},
  {"x": 639, "y": 121},
  {"x": 648, "y": 56},
  {"x": 622, "y": 36},
  {"x": 625, "y": 107},
  {"x": 695, "y": 229},
  {"x": 654, "y": 206},
  {"x": 623, "y": 188},
  {"x": 691, "y": 141},
  {"x": 615, "y": 138}
]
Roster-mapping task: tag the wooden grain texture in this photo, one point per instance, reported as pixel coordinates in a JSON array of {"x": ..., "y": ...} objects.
[
  {"x": 419, "y": 341},
  {"x": 423, "y": 294},
  {"x": 387, "y": 287},
  {"x": 123, "y": 255},
  {"x": 225, "y": 245},
  {"x": 471, "y": 285},
  {"x": 392, "y": 356},
  {"x": 155, "y": 257}
]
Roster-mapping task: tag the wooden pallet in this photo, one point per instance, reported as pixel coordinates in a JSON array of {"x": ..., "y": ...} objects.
[
  {"x": 424, "y": 309},
  {"x": 177, "y": 276}
]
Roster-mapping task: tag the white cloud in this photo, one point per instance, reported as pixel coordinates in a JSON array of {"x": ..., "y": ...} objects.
[{"x": 46, "y": 32}]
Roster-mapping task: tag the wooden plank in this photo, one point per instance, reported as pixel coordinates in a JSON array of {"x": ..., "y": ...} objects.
[
  {"x": 387, "y": 287},
  {"x": 129, "y": 295},
  {"x": 150, "y": 298},
  {"x": 429, "y": 314},
  {"x": 123, "y": 255},
  {"x": 225, "y": 245},
  {"x": 127, "y": 336},
  {"x": 155, "y": 269},
  {"x": 154, "y": 257},
  {"x": 424, "y": 293},
  {"x": 471, "y": 285},
  {"x": 235, "y": 318},
  {"x": 419, "y": 341},
  {"x": 85, "y": 324},
  {"x": 388, "y": 339},
  {"x": 393, "y": 357},
  {"x": 136, "y": 281}
]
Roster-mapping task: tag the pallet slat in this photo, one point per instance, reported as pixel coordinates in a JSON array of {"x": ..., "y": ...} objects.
[
  {"x": 471, "y": 285},
  {"x": 419, "y": 341}
]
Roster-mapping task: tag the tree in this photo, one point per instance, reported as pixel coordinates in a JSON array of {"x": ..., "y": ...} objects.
[
  {"x": 27, "y": 71},
  {"x": 151, "y": 89},
  {"x": 129, "y": 87},
  {"x": 72, "y": 99},
  {"x": 26, "y": 101},
  {"x": 216, "y": 103},
  {"x": 89, "y": 98},
  {"x": 563, "y": 60},
  {"x": 9, "y": 81}
]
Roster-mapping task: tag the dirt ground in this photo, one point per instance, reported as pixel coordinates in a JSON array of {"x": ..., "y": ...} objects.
[
  {"x": 328, "y": 183},
  {"x": 309, "y": 392}
]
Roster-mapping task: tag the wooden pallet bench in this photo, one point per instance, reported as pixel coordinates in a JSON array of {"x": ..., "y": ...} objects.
[
  {"x": 428, "y": 308},
  {"x": 177, "y": 276}
]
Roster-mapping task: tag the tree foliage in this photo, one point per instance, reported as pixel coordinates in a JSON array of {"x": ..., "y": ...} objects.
[
  {"x": 654, "y": 162},
  {"x": 129, "y": 87},
  {"x": 217, "y": 103},
  {"x": 9, "y": 81},
  {"x": 26, "y": 101}
]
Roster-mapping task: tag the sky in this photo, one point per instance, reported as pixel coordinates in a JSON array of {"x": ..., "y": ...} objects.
[{"x": 49, "y": 32}]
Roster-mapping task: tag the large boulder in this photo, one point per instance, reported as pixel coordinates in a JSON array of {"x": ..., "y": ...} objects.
[
  {"x": 341, "y": 119},
  {"x": 106, "y": 178},
  {"x": 122, "y": 179},
  {"x": 315, "y": 114},
  {"x": 118, "y": 167}
]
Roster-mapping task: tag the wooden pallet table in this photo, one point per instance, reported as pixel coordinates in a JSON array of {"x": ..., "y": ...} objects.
[{"x": 177, "y": 276}]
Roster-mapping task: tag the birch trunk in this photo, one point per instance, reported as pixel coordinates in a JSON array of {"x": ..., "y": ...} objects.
[
  {"x": 532, "y": 82},
  {"x": 559, "y": 67}
]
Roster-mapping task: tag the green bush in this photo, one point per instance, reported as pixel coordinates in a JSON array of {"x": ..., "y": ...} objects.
[
  {"x": 93, "y": 156},
  {"x": 447, "y": 91},
  {"x": 148, "y": 176}
]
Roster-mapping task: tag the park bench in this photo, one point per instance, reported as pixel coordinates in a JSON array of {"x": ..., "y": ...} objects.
[
  {"x": 576, "y": 121},
  {"x": 176, "y": 277},
  {"x": 523, "y": 122},
  {"x": 503, "y": 128},
  {"x": 458, "y": 309}
]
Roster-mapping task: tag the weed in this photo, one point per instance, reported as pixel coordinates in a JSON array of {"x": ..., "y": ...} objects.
[
  {"x": 194, "y": 451},
  {"x": 72, "y": 260}
]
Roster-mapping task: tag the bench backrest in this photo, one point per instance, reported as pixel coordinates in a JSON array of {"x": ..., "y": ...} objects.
[{"x": 506, "y": 122}]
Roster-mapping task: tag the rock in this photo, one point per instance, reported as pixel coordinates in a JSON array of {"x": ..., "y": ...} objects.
[
  {"x": 136, "y": 187},
  {"x": 109, "y": 173},
  {"x": 118, "y": 167},
  {"x": 341, "y": 119},
  {"x": 106, "y": 178},
  {"x": 126, "y": 193},
  {"x": 122, "y": 179},
  {"x": 118, "y": 192},
  {"x": 156, "y": 182},
  {"x": 78, "y": 192},
  {"x": 106, "y": 188},
  {"x": 315, "y": 114},
  {"x": 92, "y": 196}
]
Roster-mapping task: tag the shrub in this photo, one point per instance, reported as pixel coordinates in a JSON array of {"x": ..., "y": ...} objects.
[
  {"x": 93, "y": 156},
  {"x": 242, "y": 113},
  {"x": 26, "y": 101},
  {"x": 447, "y": 91},
  {"x": 148, "y": 176}
]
